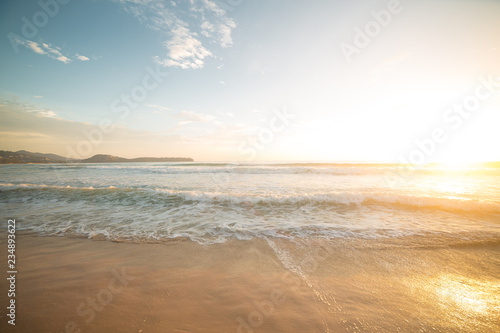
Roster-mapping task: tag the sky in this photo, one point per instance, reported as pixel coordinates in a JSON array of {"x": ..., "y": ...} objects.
[{"x": 252, "y": 80}]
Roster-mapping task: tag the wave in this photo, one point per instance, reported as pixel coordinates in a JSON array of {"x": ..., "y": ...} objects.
[
  {"x": 213, "y": 233},
  {"x": 217, "y": 169},
  {"x": 171, "y": 197},
  {"x": 344, "y": 199},
  {"x": 392, "y": 172}
]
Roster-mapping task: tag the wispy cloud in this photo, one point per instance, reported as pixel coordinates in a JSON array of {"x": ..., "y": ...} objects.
[
  {"x": 33, "y": 47},
  {"x": 55, "y": 53},
  {"x": 44, "y": 113},
  {"x": 49, "y": 50},
  {"x": 221, "y": 29},
  {"x": 26, "y": 126},
  {"x": 188, "y": 27},
  {"x": 14, "y": 102},
  {"x": 190, "y": 117},
  {"x": 157, "y": 109},
  {"x": 23, "y": 135},
  {"x": 82, "y": 58}
]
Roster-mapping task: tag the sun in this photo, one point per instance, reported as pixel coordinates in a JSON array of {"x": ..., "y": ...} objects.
[
  {"x": 466, "y": 155},
  {"x": 457, "y": 165}
]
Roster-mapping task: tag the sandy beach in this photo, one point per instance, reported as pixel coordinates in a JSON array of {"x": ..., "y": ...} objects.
[{"x": 79, "y": 285}]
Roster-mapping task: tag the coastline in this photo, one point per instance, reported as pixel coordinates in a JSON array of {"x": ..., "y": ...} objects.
[{"x": 81, "y": 285}]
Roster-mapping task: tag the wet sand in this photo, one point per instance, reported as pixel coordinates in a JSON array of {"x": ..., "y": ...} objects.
[{"x": 80, "y": 285}]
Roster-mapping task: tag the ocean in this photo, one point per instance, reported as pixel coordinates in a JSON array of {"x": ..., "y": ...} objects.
[
  {"x": 350, "y": 247},
  {"x": 213, "y": 202}
]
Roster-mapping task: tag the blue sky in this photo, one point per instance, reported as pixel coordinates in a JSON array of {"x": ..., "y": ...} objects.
[{"x": 251, "y": 80}]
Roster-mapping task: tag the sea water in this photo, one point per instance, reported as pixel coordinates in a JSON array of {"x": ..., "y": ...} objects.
[{"x": 213, "y": 202}]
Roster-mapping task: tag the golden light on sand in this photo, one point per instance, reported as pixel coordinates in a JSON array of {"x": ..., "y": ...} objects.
[
  {"x": 466, "y": 295},
  {"x": 458, "y": 301}
]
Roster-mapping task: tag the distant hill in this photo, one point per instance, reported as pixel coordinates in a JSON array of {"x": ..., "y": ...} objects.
[
  {"x": 103, "y": 159},
  {"x": 49, "y": 156},
  {"x": 161, "y": 159},
  {"x": 115, "y": 159},
  {"x": 23, "y": 157}
]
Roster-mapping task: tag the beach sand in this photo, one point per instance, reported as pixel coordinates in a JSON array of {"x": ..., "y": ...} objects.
[{"x": 79, "y": 285}]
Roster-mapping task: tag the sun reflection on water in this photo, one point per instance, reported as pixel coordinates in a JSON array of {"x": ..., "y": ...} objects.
[
  {"x": 460, "y": 302},
  {"x": 465, "y": 294},
  {"x": 451, "y": 187}
]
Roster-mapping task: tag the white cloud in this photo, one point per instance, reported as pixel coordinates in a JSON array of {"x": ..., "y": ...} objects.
[
  {"x": 224, "y": 33},
  {"x": 191, "y": 116},
  {"x": 54, "y": 53},
  {"x": 207, "y": 28},
  {"x": 185, "y": 50},
  {"x": 10, "y": 100},
  {"x": 218, "y": 26},
  {"x": 182, "y": 28},
  {"x": 64, "y": 59},
  {"x": 49, "y": 50},
  {"x": 44, "y": 113},
  {"x": 82, "y": 58},
  {"x": 34, "y": 47},
  {"x": 158, "y": 109}
]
